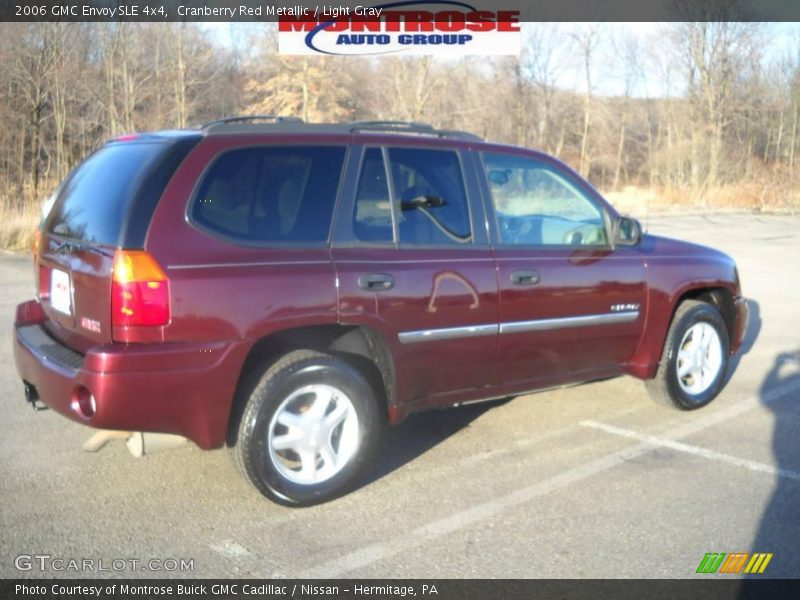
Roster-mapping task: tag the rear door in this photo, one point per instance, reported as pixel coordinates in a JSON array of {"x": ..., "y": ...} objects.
[
  {"x": 571, "y": 305},
  {"x": 243, "y": 232},
  {"x": 93, "y": 214},
  {"x": 413, "y": 262}
]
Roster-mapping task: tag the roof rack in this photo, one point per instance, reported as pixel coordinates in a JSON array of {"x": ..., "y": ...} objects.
[
  {"x": 249, "y": 118},
  {"x": 281, "y": 124},
  {"x": 411, "y": 127},
  {"x": 392, "y": 125}
]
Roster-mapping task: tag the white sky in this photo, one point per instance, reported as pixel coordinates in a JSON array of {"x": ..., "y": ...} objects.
[{"x": 607, "y": 71}]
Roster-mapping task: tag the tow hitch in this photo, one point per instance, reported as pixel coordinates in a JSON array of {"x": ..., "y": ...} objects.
[{"x": 32, "y": 396}]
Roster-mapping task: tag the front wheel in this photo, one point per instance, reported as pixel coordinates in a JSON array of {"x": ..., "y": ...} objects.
[
  {"x": 695, "y": 358},
  {"x": 308, "y": 429}
]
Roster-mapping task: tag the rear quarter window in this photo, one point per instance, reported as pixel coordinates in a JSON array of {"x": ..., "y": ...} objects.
[
  {"x": 93, "y": 202},
  {"x": 270, "y": 195}
]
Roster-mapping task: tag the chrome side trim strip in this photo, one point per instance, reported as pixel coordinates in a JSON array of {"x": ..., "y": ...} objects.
[
  {"x": 273, "y": 263},
  {"x": 392, "y": 261},
  {"x": 451, "y": 333},
  {"x": 448, "y": 333},
  {"x": 565, "y": 322}
]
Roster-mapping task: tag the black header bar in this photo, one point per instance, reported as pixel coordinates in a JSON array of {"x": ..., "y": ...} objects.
[
  {"x": 231, "y": 11},
  {"x": 715, "y": 588}
]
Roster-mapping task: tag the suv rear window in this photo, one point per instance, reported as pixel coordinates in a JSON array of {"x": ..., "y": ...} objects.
[
  {"x": 270, "y": 194},
  {"x": 94, "y": 201}
]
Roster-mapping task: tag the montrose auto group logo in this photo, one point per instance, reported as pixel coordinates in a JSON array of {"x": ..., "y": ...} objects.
[{"x": 410, "y": 27}]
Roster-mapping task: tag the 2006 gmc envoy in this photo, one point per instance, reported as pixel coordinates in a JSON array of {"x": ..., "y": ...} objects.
[{"x": 283, "y": 288}]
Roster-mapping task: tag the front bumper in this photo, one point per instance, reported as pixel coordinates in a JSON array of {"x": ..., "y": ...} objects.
[{"x": 180, "y": 388}]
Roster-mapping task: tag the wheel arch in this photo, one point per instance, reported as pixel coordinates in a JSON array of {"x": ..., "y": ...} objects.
[
  {"x": 645, "y": 360},
  {"x": 362, "y": 346},
  {"x": 720, "y": 297}
]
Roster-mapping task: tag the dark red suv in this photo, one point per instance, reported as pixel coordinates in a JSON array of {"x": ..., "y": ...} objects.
[{"x": 283, "y": 288}]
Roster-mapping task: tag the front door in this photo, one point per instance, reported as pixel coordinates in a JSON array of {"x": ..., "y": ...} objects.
[{"x": 571, "y": 305}]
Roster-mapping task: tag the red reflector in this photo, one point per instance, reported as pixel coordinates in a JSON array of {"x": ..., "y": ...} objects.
[
  {"x": 83, "y": 402},
  {"x": 127, "y": 138},
  {"x": 44, "y": 282},
  {"x": 37, "y": 243},
  {"x": 139, "y": 290}
]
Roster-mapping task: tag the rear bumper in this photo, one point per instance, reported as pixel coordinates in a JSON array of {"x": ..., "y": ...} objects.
[
  {"x": 181, "y": 388},
  {"x": 742, "y": 322}
]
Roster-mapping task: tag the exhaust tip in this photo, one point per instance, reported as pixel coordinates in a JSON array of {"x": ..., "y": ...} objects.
[
  {"x": 31, "y": 393},
  {"x": 32, "y": 397}
]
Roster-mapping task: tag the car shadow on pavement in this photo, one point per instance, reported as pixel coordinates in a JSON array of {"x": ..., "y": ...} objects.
[
  {"x": 779, "y": 530},
  {"x": 750, "y": 337},
  {"x": 403, "y": 443}
]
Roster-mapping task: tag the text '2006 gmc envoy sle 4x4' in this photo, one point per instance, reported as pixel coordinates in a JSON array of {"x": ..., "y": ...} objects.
[{"x": 283, "y": 289}]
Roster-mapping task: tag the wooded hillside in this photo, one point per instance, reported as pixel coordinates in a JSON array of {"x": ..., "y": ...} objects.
[{"x": 706, "y": 113}]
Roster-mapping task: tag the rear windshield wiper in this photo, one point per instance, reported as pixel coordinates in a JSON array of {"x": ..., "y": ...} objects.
[{"x": 70, "y": 246}]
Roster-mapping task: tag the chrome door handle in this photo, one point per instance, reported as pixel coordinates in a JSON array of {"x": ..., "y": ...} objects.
[
  {"x": 524, "y": 277},
  {"x": 375, "y": 282}
]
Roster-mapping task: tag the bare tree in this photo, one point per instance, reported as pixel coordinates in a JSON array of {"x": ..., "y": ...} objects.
[
  {"x": 721, "y": 108},
  {"x": 627, "y": 51},
  {"x": 544, "y": 66},
  {"x": 714, "y": 55},
  {"x": 586, "y": 40}
]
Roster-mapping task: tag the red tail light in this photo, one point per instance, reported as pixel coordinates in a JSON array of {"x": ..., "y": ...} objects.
[
  {"x": 41, "y": 273},
  {"x": 44, "y": 282},
  {"x": 139, "y": 290}
]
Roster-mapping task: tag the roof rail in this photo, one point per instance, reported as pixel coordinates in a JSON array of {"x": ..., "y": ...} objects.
[
  {"x": 411, "y": 127},
  {"x": 391, "y": 125},
  {"x": 291, "y": 125},
  {"x": 249, "y": 118}
]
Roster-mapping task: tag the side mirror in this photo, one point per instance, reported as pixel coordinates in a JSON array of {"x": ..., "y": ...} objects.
[
  {"x": 498, "y": 177},
  {"x": 627, "y": 231}
]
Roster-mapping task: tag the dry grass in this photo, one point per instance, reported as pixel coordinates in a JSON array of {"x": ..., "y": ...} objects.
[
  {"x": 17, "y": 227},
  {"x": 636, "y": 201}
]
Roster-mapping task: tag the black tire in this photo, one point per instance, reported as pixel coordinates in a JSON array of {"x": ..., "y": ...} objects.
[
  {"x": 666, "y": 387},
  {"x": 271, "y": 471}
]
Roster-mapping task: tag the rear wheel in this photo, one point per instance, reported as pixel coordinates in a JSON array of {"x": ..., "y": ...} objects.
[
  {"x": 308, "y": 429},
  {"x": 695, "y": 358}
]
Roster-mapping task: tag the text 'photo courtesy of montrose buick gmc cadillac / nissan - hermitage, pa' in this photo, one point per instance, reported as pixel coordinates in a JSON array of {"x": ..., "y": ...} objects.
[{"x": 287, "y": 290}]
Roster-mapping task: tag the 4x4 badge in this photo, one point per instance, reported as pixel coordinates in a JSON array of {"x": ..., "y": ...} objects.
[{"x": 624, "y": 307}]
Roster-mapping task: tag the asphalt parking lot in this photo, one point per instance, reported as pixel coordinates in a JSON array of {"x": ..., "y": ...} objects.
[{"x": 588, "y": 481}]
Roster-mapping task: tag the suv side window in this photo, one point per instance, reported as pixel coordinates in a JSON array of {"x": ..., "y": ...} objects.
[
  {"x": 270, "y": 194},
  {"x": 535, "y": 204},
  {"x": 372, "y": 217},
  {"x": 113, "y": 173},
  {"x": 430, "y": 199}
]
